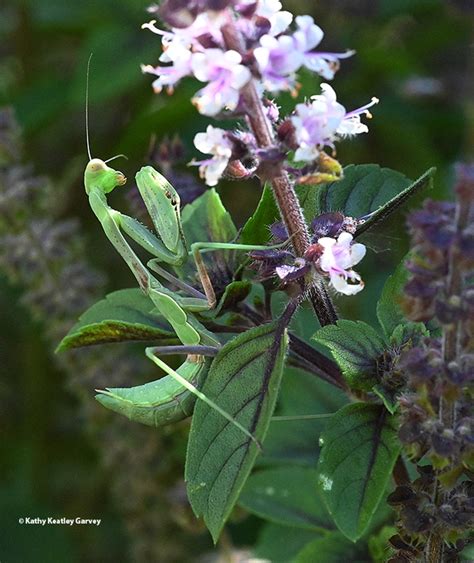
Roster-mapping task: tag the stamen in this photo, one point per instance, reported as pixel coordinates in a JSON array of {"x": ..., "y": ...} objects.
[
  {"x": 152, "y": 27},
  {"x": 334, "y": 56},
  {"x": 364, "y": 109}
]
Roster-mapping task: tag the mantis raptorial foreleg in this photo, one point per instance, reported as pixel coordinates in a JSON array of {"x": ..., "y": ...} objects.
[{"x": 163, "y": 299}]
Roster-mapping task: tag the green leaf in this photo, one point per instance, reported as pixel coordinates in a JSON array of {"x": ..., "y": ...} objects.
[
  {"x": 389, "y": 397},
  {"x": 255, "y": 230},
  {"x": 356, "y": 347},
  {"x": 467, "y": 554},
  {"x": 365, "y": 188},
  {"x": 206, "y": 219},
  {"x": 424, "y": 181},
  {"x": 288, "y": 496},
  {"x": 408, "y": 333},
  {"x": 280, "y": 544},
  {"x": 295, "y": 441},
  {"x": 359, "y": 449},
  {"x": 379, "y": 548},
  {"x": 389, "y": 312},
  {"x": 122, "y": 315},
  {"x": 332, "y": 548},
  {"x": 244, "y": 380},
  {"x": 234, "y": 293}
]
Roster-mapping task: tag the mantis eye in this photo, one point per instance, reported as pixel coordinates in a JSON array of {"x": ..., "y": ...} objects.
[{"x": 96, "y": 165}]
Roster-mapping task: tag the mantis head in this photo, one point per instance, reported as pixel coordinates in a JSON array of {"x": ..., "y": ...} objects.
[{"x": 99, "y": 175}]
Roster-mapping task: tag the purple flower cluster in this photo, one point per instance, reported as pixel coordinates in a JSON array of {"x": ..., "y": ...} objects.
[
  {"x": 271, "y": 52},
  {"x": 436, "y": 409},
  {"x": 419, "y": 515},
  {"x": 441, "y": 290}
]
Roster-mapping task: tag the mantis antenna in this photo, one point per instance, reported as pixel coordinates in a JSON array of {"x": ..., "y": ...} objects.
[
  {"x": 116, "y": 156},
  {"x": 88, "y": 144},
  {"x": 87, "y": 107}
]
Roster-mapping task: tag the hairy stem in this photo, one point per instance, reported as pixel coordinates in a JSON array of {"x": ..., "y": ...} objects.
[{"x": 285, "y": 196}]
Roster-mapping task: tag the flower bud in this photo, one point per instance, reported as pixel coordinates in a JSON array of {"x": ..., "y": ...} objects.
[{"x": 286, "y": 134}]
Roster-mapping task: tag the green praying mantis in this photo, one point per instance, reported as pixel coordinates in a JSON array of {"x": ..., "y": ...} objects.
[{"x": 172, "y": 397}]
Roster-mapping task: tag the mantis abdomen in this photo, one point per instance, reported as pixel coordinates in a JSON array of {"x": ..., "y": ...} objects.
[{"x": 159, "y": 402}]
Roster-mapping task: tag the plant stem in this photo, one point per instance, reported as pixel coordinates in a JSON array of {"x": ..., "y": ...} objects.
[
  {"x": 452, "y": 332},
  {"x": 314, "y": 361},
  {"x": 322, "y": 366},
  {"x": 284, "y": 193}
]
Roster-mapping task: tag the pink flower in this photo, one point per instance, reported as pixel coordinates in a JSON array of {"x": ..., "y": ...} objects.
[
  {"x": 179, "y": 46},
  {"x": 226, "y": 76},
  {"x": 323, "y": 121},
  {"x": 279, "y": 58},
  {"x": 177, "y": 53},
  {"x": 307, "y": 37},
  {"x": 337, "y": 259},
  {"x": 278, "y": 61}
]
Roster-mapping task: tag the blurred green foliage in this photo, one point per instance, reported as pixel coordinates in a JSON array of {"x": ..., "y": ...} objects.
[{"x": 412, "y": 54}]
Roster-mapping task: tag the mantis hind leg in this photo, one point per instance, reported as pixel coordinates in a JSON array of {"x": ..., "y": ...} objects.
[{"x": 151, "y": 354}]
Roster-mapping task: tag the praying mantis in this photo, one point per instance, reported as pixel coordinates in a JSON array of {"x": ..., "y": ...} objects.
[{"x": 170, "y": 398}]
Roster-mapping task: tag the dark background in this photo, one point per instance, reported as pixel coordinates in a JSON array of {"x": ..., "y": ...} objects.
[{"x": 58, "y": 457}]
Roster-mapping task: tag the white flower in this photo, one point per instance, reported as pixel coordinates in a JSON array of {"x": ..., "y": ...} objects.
[
  {"x": 226, "y": 76},
  {"x": 323, "y": 121},
  {"x": 215, "y": 142},
  {"x": 337, "y": 259},
  {"x": 271, "y": 10},
  {"x": 205, "y": 23},
  {"x": 177, "y": 53},
  {"x": 283, "y": 271}
]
